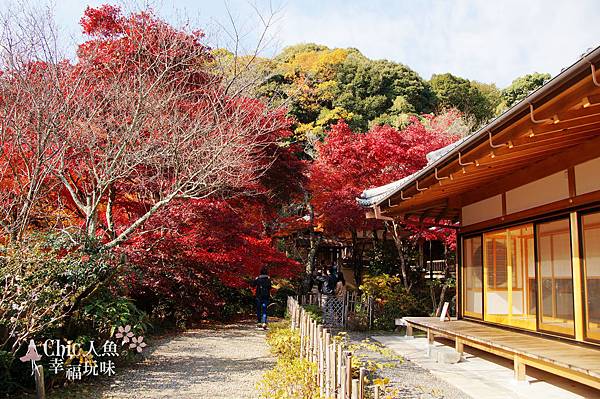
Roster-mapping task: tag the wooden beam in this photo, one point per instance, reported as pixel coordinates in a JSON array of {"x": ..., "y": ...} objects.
[
  {"x": 569, "y": 97},
  {"x": 535, "y": 213},
  {"x": 571, "y": 177},
  {"x": 581, "y": 153},
  {"x": 555, "y": 127},
  {"x": 539, "y": 146},
  {"x": 563, "y": 116},
  {"x": 592, "y": 99}
]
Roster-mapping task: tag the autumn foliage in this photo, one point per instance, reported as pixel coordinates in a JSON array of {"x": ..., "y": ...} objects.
[
  {"x": 142, "y": 147},
  {"x": 350, "y": 162},
  {"x": 145, "y": 146}
]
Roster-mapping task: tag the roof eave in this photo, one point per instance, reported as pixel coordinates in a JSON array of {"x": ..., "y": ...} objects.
[{"x": 514, "y": 112}]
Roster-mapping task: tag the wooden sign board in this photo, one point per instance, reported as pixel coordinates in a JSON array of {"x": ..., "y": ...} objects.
[{"x": 444, "y": 315}]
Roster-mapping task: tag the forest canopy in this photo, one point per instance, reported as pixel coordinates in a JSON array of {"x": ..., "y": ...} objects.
[{"x": 321, "y": 85}]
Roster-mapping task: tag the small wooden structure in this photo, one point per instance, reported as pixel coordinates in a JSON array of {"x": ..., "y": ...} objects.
[
  {"x": 523, "y": 193},
  {"x": 576, "y": 362}
]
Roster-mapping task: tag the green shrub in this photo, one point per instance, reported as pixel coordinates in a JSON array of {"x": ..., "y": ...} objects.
[
  {"x": 392, "y": 301},
  {"x": 315, "y": 312},
  {"x": 55, "y": 288},
  {"x": 107, "y": 311}
]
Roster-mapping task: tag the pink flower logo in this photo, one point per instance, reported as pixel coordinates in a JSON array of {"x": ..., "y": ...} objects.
[
  {"x": 124, "y": 333},
  {"x": 137, "y": 343}
]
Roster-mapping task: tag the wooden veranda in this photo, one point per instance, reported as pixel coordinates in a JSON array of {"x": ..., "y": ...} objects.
[{"x": 574, "y": 361}]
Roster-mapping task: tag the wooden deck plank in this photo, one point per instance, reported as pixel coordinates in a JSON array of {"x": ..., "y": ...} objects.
[{"x": 583, "y": 361}]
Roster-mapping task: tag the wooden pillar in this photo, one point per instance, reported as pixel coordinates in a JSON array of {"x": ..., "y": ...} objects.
[
  {"x": 409, "y": 330},
  {"x": 458, "y": 344},
  {"x": 509, "y": 273},
  {"x": 430, "y": 336},
  {"x": 519, "y": 366},
  {"x": 577, "y": 279}
]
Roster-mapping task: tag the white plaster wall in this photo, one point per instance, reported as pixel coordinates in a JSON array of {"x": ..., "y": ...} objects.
[
  {"x": 587, "y": 177},
  {"x": 486, "y": 209},
  {"x": 540, "y": 192}
]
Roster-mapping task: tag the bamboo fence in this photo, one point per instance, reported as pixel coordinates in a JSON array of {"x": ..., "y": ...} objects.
[{"x": 334, "y": 364}]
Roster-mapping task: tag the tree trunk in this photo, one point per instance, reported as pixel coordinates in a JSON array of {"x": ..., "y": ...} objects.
[
  {"x": 357, "y": 261},
  {"x": 421, "y": 255},
  {"x": 400, "y": 247},
  {"x": 315, "y": 241},
  {"x": 375, "y": 238},
  {"x": 445, "y": 285},
  {"x": 442, "y": 297},
  {"x": 314, "y": 238},
  {"x": 434, "y": 303}
]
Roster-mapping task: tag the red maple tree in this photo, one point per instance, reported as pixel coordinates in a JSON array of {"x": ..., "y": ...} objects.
[
  {"x": 142, "y": 145},
  {"x": 350, "y": 162}
]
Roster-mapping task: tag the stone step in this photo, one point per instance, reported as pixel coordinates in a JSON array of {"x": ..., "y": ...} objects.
[{"x": 443, "y": 354}]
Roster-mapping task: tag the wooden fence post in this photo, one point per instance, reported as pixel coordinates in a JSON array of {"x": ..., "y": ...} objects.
[
  {"x": 327, "y": 365},
  {"x": 315, "y": 342},
  {"x": 348, "y": 381},
  {"x": 376, "y": 392},
  {"x": 355, "y": 389},
  {"x": 301, "y": 334},
  {"x": 361, "y": 379},
  {"x": 320, "y": 350},
  {"x": 340, "y": 373},
  {"x": 304, "y": 341},
  {"x": 334, "y": 365},
  {"x": 333, "y": 371},
  {"x": 342, "y": 391},
  {"x": 309, "y": 339},
  {"x": 39, "y": 383}
]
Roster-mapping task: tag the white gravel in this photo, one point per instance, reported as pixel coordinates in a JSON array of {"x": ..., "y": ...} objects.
[
  {"x": 408, "y": 379},
  {"x": 224, "y": 361}
]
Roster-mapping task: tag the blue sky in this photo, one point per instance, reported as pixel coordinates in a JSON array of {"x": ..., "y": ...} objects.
[{"x": 486, "y": 40}]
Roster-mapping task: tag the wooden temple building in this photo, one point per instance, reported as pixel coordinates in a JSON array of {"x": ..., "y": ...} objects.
[{"x": 523, "y": 193}]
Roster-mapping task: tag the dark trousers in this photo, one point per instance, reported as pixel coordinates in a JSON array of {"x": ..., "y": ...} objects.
[{"x": 261, "y": 309}]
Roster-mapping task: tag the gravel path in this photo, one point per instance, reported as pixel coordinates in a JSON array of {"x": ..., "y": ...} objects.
[
  {"x": 408, "y": 380},
  {"x": 223, "y": 362}
]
